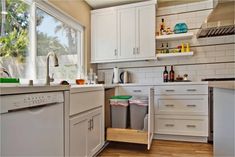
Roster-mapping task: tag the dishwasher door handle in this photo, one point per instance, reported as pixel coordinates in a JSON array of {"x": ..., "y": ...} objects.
[{"x": 32, "y": 108}]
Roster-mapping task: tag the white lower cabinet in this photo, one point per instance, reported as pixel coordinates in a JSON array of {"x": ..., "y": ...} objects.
[
  {"x": 86, "y": 121},
  {"x": 78, "y": 135},
  {"x": 86, "y": 133},
  {"x": 181, "y": 125},
  {"x": 96, "y": 132},
  {"x": 181, "y": 112}
]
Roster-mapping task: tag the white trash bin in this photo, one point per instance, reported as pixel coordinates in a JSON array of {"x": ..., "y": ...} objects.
[
  {"x": 138, "y": 111},
  {"x": 119, "y": 113}
]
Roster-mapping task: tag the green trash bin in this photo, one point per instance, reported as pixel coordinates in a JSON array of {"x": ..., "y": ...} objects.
[{"x": 119, "y": 111}]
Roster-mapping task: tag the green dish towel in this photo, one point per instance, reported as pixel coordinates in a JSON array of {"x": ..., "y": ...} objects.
[{"x": 9, "y": 80}]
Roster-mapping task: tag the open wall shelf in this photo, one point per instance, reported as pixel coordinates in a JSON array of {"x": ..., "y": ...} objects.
[
  {"x": 188, "y": 35},
  {"x": 172, "y": 55}
]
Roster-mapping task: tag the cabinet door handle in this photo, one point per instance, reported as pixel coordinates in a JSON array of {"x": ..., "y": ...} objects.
[
  {"x": 170, "y": 90},
  {"x": 115, "y": 52},
  {"x": 191, "y": 90},
  {"x": 92, "y": 124},
  {"x": 169, "y": 105},
  {"x": 137, "y": 50},
  {"x": 89, "y": 125},
  {"x": 137, "y": 91},
  {"x": 133, "y": 51},
  {"x": 191, "y": 126},
  {"x": 191, "y": 105},
  {"x": 169, "y": 125}
]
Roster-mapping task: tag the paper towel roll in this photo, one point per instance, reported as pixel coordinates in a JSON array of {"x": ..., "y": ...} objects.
[{"x": 115, "y": 75}]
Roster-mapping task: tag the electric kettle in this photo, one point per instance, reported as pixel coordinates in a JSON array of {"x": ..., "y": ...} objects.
[{"x": 124, "y": 77}]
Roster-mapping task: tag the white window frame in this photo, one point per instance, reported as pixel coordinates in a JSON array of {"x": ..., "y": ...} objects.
[{"x": 63, "y": 17}]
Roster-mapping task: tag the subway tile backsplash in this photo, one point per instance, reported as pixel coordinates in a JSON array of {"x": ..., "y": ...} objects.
[{"x": 213, "y": 57}]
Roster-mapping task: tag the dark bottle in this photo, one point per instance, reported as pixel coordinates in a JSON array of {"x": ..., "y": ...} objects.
[
  {"x": 162, "y": 27},
  {"x": 162, "y": 49},
  {"x": 172, "y": 75},
  {"x": 167, "y": 48},
  {"x": 165, "y": 75}
]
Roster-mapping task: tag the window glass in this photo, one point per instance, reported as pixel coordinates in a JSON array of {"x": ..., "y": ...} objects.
[
  {"x": 61, "y": 35},
  {"x": 14, "y": 40},
  {"x": 55, "y": 35}
]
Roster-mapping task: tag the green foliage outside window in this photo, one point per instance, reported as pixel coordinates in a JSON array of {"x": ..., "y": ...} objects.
[{"x": 14, "y": 29}]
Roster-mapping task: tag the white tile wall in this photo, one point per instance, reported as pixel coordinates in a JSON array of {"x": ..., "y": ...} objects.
[{"x": 213, "y": 57}]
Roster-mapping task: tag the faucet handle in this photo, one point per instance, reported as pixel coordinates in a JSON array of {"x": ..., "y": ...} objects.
[{"x": 52, "y": 77}]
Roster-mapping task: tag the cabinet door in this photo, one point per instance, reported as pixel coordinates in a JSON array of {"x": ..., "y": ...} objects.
[
  {"x": 78, "y": 135},
  {"x": 151, "y": 117},
  {"x": 126, "y": 33},
  {"x": 145, "y": 32},
  {"x": 104, "y": 36},
  {"x": 96, "y": 133}
]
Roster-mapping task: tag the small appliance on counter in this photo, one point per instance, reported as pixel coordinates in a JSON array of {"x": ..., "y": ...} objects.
[
  {"x": 124, "y": 77},
  {"x": 115, "y": 79},
  {"x": 120, "y": 77}
]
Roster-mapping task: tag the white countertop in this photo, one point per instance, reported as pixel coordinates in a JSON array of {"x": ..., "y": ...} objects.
[
  {"x": 20, "y": 89},
  {"x": 222, "y": 84},
  {"x": 86, "y": 88},
  {"x": 156, "y": 84}
]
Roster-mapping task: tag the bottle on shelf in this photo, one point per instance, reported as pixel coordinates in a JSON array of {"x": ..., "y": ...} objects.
[
  {"x": 187, "y": 47},
  {"x": 165, "y": 75},
  {"x": 172, "y": 74},
  {"x": 167, "y": 48},
  {"x": 162, "y": 48},
  {"x": 162, "y": 27},
  {"x": 182, "y": 47}
]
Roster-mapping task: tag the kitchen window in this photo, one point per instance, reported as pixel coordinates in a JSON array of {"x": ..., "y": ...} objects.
[
  {"x": 49, "y": 30},
  {"x": 14, "y": 40}
]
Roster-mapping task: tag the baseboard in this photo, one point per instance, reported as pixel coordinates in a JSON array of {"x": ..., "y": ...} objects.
[
  {"x": 181, "y": 138},
  {"x": 101, "y": 149}
]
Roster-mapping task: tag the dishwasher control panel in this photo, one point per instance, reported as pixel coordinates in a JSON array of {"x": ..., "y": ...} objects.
[{"x": 14, "y": 102}]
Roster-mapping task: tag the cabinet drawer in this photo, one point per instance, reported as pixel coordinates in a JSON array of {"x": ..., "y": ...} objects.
[
  {"x": 83, "y": 101},
  {"x": 189, "y": 126},
  {"x": 181, "y": 89},
  {"x": 137, "y": 90},
  {"x": 197, "y": 105}
]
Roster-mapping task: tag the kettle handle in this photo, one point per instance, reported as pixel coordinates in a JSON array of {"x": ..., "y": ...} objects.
[{"x": 121, "y": 77}]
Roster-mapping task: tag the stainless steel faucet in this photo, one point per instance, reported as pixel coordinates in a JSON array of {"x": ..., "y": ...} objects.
[{"x": 56, "y": 64}]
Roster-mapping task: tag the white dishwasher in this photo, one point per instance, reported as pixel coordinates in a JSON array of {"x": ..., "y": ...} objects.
[{"x": 32, "y": 124}]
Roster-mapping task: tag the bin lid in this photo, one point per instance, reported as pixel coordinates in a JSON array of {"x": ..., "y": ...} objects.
[
  {"x": 122, "y": 97},
  {"x": 139, "y": 100}
]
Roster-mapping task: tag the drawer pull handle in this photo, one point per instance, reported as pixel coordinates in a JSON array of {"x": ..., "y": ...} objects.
[
  {"x": 170, "y": 90},
  {"x": 169, "y": 125},
  {"x": 191, "y": 90},
  {"x": 137, "y": 91},
  {"x": 169, "y": 105},
  {"x": 191, "y": 105},
  {"x": 191, "y": 126}
]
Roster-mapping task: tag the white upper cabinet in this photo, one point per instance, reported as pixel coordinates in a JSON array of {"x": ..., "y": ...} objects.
[
  {"x": 145, "y": 33},
  {"x": 104, "y": 36},
  {"x": 126, "y": 33},
  {"x": 123, "y": 33}
]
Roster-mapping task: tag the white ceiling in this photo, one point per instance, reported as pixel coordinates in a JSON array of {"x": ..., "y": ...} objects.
[{"x": 95, "y": 4}]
